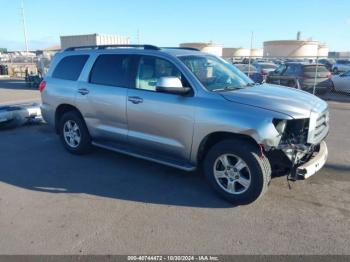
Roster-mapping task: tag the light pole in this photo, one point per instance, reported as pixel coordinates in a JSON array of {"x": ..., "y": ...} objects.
[
  {"x": 250, "y": 55},
  {"x": 24, "y": 27}
]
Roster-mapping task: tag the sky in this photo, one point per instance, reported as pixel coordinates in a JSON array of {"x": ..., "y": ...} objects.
[{"x": 170, "y": 22}]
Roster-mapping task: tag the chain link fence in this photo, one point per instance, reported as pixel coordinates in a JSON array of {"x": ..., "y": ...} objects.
[
  {"x": 326, "y": 77},
  {"x": 32, "y": 68}
]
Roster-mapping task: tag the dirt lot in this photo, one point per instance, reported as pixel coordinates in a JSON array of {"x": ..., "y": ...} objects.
[{"x": 54, "y": 203}]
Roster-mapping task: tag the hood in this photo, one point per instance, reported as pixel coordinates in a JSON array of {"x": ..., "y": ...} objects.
[{"x": 289, "y": 101}]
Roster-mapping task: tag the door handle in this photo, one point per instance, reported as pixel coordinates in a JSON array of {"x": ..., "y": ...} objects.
[
  {"x": 135, "y": 99},
  {"x": 83, "y": 91}
]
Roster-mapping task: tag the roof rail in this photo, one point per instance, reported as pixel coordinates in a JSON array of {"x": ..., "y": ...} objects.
[
  {"x": 101, "y": 47},
  {"x": 185, "y": 48}
]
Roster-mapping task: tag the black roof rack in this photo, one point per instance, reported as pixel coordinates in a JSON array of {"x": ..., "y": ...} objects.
[
  {"x": 185, "y": 48},
  {"x": 101, "y": 47}
]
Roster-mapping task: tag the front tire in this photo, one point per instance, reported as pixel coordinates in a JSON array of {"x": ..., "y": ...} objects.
[
  {"x": 237, "y": 170},
  {"x": 74, "y": 133}
]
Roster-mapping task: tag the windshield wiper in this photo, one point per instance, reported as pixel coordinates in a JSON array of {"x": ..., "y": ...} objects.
[
  {"x": 226, "y": 88},
  {"x": 252, "y": 84}
]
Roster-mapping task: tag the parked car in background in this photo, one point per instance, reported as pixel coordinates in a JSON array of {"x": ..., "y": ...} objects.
[
  {"x": 264, "y": 68},
  {"x": 305, "y": 73},
  {"x": 341, "y": 66},
  {"x": 277, "y": 61},
  {"x": 341, "y": 82},
  {"x": 250, "y": 71},
  {"x": 328, "y": 63}
]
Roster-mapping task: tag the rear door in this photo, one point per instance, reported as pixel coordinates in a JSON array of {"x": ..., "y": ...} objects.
[
  {"x": 342, "y": 82},
  {"x": 160, "y": 124},
  {"x": 310, "y": 73},
  {"x": 102, "y": 98},
  {"x": 63, "y": 81}
]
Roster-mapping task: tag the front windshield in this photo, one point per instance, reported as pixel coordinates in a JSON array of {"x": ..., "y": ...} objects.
[{"x": 216, "y": 74}]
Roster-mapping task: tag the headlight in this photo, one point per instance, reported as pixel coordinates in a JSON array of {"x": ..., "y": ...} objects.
[
  {"x": 294, "y": 131},
  {"x": 280, "y": 125}
]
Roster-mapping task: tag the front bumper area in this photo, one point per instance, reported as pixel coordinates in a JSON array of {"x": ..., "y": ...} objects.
[{"x": 317, "y": 161}]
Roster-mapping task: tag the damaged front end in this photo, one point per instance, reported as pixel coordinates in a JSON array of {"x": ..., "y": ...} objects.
[{"x": 301, "y": 151}]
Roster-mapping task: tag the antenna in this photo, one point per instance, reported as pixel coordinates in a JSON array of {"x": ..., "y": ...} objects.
[{"x": 24, "y": 27}]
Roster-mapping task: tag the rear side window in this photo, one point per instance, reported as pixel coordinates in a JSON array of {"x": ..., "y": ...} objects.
[
  {"x": 70, "y": 67},
  {"x": 113, "y": 70},
  {"x": 292, "y": 70},
  {"x": 312, "y": 69},
  {"x": 266, "y": 66}
]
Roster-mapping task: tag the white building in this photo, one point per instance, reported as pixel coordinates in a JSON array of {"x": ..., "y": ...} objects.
[{"x": 93, "y": 39}]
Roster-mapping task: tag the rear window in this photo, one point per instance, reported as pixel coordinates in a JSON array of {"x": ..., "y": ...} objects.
[
  {"x": 312, "y": 69},
  {"x": 112, "y": 70},
  {"x": 70, "y": 67},
  {"x": 267, "y": 66}
]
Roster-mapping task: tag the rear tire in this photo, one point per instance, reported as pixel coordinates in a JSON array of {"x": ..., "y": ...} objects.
[
  {"x": 74, "y": 133},
  {"x": 245, "y": 178}
]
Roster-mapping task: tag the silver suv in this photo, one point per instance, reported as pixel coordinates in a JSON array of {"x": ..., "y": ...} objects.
[{"x": 188, "y": 110}]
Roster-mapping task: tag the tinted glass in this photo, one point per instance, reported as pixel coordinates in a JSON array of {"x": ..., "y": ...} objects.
[
  {"x": 292, "y": 70},
  {"x": 346, "y": 74},
  {"x": 312, "y": 69},
  {"x": 280, "y": 69},
  {"x": 112, "y": 70},
  {"x": 151, "y": 69},
  {"x": 245, "y": 68},
  {"x": 268, "y": 66},
  {"x": 70, "y": 67}
]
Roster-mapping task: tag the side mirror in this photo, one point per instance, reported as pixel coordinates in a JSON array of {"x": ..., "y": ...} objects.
[{"x": 171, "y": 85}]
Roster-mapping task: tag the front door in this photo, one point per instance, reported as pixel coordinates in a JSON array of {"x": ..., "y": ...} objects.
[{"x": 159, "y": 123}]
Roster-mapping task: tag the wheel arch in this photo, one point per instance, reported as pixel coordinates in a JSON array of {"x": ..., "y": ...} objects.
[
  {"x": 61, "y": 110},
  {"x": 213, "y": 138}
]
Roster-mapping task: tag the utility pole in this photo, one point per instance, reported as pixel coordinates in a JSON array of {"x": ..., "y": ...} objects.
[
  {"x": 138, "y": 36},
  {"x": 24, "y": 27},
  {"x": 250, "y": 55}
]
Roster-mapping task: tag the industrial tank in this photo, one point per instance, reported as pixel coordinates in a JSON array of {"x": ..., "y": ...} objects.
[
  {"x": 291, "y": 48},
  {"x": 241, "y": 52},
  {"x": 323, "y": 50},
  {"x": 211, "y": 48},
  {"x": 256, "y": 52},
  {"x": 235, "y": 52}
]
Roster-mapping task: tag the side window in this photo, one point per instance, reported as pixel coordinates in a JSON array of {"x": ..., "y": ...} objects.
[
  {"x": 280, "y": 69},
  {"x": 70, "y": 67},
  {"x": 113, "y": 70},
  {"x": 291, "y": 70},
  {"x": 150, "y": 69},
  {"x": 346, "y": 74}
]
